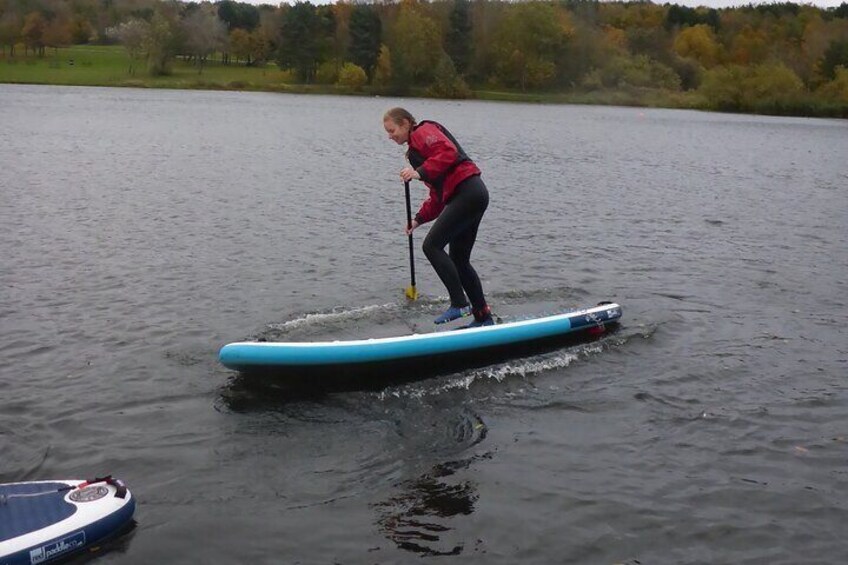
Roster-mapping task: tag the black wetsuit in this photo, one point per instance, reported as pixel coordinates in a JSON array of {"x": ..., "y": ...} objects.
[{"x": 457, "y": 225}]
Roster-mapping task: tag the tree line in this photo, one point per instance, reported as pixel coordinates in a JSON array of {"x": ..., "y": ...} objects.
[{"x": 769, "y": 57}]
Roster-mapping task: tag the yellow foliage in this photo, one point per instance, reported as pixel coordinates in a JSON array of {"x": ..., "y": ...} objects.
[
  {"x": 752, "y": 88},
  {"x": 837, "y": 89},
  {"x": 631, "y": 15},
  {"x": 352, "y": 76},
  {"x": 413, "y": 39},
  {"x": 383, "y": 69},
  {"x": 750, "y": 46},
  {"x": 698, "y": 42},
  {"x": 616, "y": 37}
]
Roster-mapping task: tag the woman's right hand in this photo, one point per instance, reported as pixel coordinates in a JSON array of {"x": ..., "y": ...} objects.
[
  {"x": 408, "y": 174},
  {"x": 410, "y": 229}
]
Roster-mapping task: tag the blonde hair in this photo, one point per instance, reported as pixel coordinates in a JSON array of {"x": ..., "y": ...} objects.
[{"x": 398, "y": 115}]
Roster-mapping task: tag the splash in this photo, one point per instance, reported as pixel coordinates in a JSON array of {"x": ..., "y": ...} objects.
[
  {"x": 522, "y": 368},
  {"x": 333, "y": 316}
]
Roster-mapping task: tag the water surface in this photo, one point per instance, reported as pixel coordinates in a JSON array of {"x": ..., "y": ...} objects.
[{"x": 141, "y": 230}]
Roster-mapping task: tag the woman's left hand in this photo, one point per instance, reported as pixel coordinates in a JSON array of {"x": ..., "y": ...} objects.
[
  {"x": 408, "y": 173},
  {"x": 411, "y": 228}
]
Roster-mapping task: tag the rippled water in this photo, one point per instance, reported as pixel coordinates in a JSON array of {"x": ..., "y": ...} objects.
[{"x": 141, "y": 230}]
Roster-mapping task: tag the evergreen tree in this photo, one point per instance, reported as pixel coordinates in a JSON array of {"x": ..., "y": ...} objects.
[
  {"x": 446, "y": 81},
  {"x": 458, "y": 41},
  {"x": 300, "y": 44},
  {"x": 365, "y": 37},
  {"x": 835, "y": 56},
  {"x": 238, "y": 15}
]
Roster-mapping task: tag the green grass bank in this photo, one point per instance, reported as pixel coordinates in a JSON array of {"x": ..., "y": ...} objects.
[{"x": 97, "y": 65}]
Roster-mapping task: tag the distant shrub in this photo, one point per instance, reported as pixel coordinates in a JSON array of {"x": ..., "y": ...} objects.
[
  {"x": 836, "y": 91},
  {"x": 447, "y": 83},
  {"x": 287, "y": 76},
  {"x": 770, "y": 88},
  {"x": 328, "y": 72},
  {"x": 639, "y": 71},
  {"x": 352, "y": 76}
]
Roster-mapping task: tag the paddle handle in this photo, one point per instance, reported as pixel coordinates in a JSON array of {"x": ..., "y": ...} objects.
[{"x": 409, "y": 226}]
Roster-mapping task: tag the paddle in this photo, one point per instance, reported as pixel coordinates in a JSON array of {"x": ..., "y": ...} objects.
[{"x": 411, "y": 292}]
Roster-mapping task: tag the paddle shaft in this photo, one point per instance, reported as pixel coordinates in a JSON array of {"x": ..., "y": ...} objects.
[{"x": 409, "y": 225}]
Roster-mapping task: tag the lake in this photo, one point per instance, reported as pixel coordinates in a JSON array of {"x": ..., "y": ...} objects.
[{"x": 141, "y": 230}]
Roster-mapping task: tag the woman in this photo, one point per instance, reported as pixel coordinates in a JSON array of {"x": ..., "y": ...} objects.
[{"x": 457, "y": 200}]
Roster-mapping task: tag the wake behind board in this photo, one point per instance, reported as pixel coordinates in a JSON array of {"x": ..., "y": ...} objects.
[
  {"x": 47, "y": 521},
  {"x": 416, "y": 355}
]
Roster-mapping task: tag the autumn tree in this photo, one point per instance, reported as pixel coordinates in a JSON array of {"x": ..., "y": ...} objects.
[
  {"x": 698, "y": 42},
  {"x": 773, "y": 85},
  {"x": 159, "y": 43},
  {"x": 416, "y": 46},
  {"x": 382, "y": 76},
  {"x": 587, "y": 49},
  {"x": 10, "y": 31},
  {"x": 240, "y": 44},
  {"x": 57, "y": 33},
  {"x": 204, "y": 34},
  {"x": 81, "y": 30},
  {"x": 485, "y": 18},
  {"x": 530, "y": 39},
  {"x": 266, "y": 37},
  {"x": 132, "y": 34},
  {"x": 253, "y": 47},
  {"x": 260, "y": 47},
  {"x": 749, "y": 46},
  {"x": 33, "y": 32}
]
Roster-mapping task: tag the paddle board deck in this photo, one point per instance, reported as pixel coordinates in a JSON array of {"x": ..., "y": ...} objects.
[
  {"x": 48, "y": 521},
  {"x": 419, "y": 351}
]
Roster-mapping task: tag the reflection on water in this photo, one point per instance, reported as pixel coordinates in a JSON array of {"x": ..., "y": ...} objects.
[
  {"x": 423, "y": 517},
  {"x": 419, "y": 520}
]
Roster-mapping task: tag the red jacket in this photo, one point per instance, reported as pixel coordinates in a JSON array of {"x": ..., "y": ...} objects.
[{"x": 441, "y": 163}]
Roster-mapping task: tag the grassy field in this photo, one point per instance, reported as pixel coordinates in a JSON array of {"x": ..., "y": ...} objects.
[{"x": 96, "y": 65}]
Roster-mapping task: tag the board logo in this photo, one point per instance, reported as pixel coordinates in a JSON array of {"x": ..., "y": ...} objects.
[
  {"x": 593, "y": 318},
  {"x": 49, "y": 551},
  {"x": 88, "y": 494}
]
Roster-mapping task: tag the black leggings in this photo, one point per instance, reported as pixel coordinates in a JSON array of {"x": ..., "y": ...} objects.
[{"x": 457, "y": 225}]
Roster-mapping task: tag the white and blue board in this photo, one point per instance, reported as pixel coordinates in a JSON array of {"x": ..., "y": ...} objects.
[
  {"x": 258, "y": 356},
  {"x": 48, "y": 521}
]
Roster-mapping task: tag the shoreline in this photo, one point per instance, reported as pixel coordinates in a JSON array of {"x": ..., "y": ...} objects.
[{"x": 110, "y": 66}]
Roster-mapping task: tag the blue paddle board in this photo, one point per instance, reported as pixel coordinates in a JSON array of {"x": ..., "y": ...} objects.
[
  {"x": 428, "y": 348},
  {"x": 47, "y": 521}
]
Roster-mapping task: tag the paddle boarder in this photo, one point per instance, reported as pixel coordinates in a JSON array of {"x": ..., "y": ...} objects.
[{"x": 457, "y": 200}]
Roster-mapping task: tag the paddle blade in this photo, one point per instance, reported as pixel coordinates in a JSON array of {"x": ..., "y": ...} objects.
[{"x": 412, "y": 293}]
